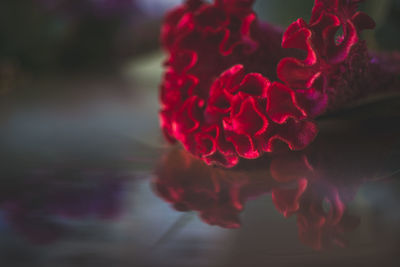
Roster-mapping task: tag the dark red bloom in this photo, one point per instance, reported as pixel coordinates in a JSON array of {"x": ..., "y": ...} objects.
[
  {"x": 216, "y": 99},
  {"x": 241, "y": 119},
  {"x": 220, "y": 96}
]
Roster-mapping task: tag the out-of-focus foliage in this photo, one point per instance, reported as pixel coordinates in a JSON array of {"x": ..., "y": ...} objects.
[
  {"x": 283, "y": 12},
  {"x": 388, "y": 34},
  {"x": 42, "y": 35}
]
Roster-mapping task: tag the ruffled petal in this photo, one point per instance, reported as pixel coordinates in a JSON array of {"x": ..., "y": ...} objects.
[
  {"x": 297, "y": 134},
  {"x": 188, "y": 118},
  {"x": 254, "y": 84},
  {"x": 295, "y": 73},
  {"x": 362, "y": 21},
  {"x": 249, "y": 119},
  {"x": 281, "y": 104}
]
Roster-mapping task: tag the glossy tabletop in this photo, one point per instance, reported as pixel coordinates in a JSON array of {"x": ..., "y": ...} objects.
[{"x": 87, "y": 180}]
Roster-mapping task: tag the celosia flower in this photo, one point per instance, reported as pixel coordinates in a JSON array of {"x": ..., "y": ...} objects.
[{"x": 221, "y": 97}]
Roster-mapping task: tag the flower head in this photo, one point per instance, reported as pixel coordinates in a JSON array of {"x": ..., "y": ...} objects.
[
  {"x": 221, "y": 97},
  {"x": 216, "y": 99}
]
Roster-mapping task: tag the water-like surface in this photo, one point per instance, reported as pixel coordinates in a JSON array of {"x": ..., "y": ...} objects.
[{"x": 91, "y": 183}]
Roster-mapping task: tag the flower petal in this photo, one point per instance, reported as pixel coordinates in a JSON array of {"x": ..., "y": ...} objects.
[
  {"x": 281, "y": 104},
  {"x": 249, "y": 120}
]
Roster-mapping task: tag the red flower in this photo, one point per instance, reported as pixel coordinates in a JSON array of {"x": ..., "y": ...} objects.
[
  {"x": 241, "y": 119},
  {"x": 220, "y": 96},
  {"x": 221, "y": 117}
]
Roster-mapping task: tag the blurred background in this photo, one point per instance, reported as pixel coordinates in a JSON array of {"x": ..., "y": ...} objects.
[{"x": 79, "y": 83}]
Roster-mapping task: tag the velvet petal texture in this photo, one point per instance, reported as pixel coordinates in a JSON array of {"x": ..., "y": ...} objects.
[
  {"x": 241, "y": 119},
  {"x": 221, "y": 96},
  {"x": 214, "y": 91}
]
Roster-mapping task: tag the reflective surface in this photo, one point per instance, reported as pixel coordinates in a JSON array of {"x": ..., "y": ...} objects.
[
  {"x": 317, "y": 186},
  {"x": 112, "y": 193}
]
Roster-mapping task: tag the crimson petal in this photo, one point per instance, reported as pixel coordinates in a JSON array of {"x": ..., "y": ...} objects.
[{"x": 281, "y": 104}]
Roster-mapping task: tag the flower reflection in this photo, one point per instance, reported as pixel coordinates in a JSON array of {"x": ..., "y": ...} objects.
[
  {"x": 315, "y": 185},
  {"x": 318, "y": 203},
  {"x": 218, "y": 195},
  {"x": 39, "y": 206}
]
